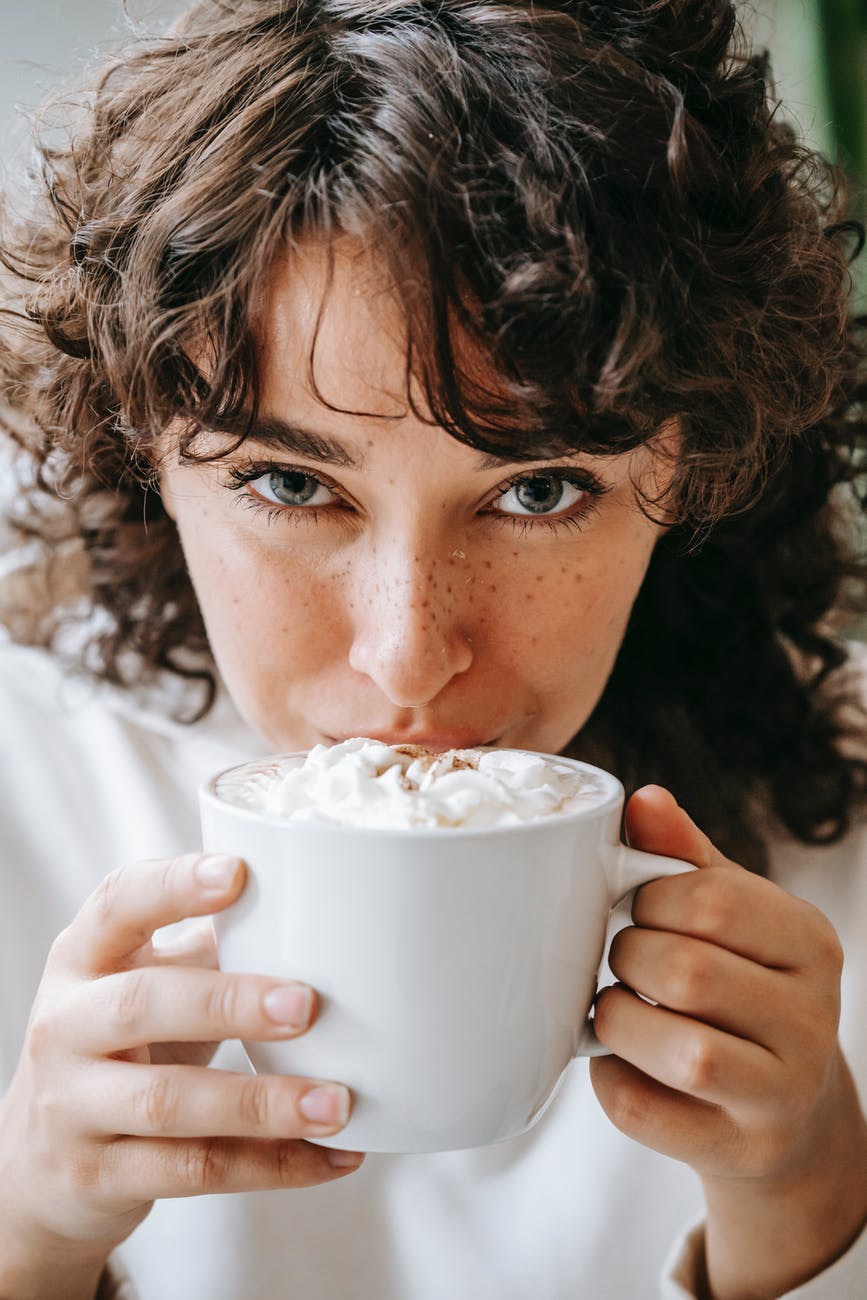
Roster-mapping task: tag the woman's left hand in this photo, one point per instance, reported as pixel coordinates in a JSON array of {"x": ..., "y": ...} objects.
[{"x": 733, "y": 1066}]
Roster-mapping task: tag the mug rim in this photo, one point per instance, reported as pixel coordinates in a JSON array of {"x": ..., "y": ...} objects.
[{"x": 207, "y": 795}]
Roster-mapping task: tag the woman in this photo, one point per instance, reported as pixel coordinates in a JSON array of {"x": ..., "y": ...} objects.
[{"x": 470, "y": 374}]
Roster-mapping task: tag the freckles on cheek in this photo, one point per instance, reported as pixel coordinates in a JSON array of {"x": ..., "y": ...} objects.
[
  {"x": 580, "y": 609},
  {"x": 608, "y": 590}
]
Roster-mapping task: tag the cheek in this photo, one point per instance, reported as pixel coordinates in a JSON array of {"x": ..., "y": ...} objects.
[
  {"x": 266, "y": 614},
  {"x": 568, "y": 618},
  {"x": 575, "y": 604}
]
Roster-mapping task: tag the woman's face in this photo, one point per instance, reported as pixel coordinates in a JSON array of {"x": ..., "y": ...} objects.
[{"x": 366, "y": 574}]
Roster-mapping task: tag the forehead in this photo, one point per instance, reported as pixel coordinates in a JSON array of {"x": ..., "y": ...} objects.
[
  {"x": 334, "y": 342},
  {"x": 333, "y": 330}
]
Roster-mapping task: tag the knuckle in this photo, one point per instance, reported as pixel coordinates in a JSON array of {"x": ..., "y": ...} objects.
[
  {"x": 57, "y": 1009},
  {"x": 62, "y": 944},
  {"x": 254, "y": 1103},
  {"x": 203, "y": 1165},
  {"x": 623, "y": 1095},
  {"x": 288, "y": 1162},
  {"x": 222, "y": 1003},
  {"x": 53, "y": 1108},
  {"x": 105, "y": 897},
  {"x": 716, "y": 903},
  {"x": 826, "y": 943},
  {"x": 130, "y": 1002},
  {"x": 42, "y": 1035},
  {"x": 156, "y": 1105},
  {"x": 697, "y": 1065},
  {"x": 169, "y": 871},
  {"x": 629, "y": 1109},
  {"x": 686, "y": 978}
]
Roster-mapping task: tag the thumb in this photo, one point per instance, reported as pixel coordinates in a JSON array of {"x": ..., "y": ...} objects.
[{"x": 656, "y": 823}]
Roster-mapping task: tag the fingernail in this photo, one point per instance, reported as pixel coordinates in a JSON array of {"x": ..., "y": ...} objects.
[
  {"x": 215, "y": 872},
  {"x": 326, "y": 1104},
  {"x": 289, "y": 1004},
  {"x": 344, "y": 1159}
]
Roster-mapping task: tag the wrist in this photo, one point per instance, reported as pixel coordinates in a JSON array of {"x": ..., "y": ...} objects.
[
  {"x": 760, "y": 1251},
  {"x": 766, "y": 1236}
]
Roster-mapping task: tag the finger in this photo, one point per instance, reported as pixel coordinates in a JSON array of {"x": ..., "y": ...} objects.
[
  {"x": 655, "y": 823},
  {"x": 707, "y": 983},
  {"x": 739, "y": 911},
  {"x": 185, "y": 1101},
  {"x": 120, "y": 917},
  {"x": 195, "y": 946},
  {"x": 144, "y": 1169},
  {"x": 697, "y": 1132},
  {"x": 183, "y": 1005},
  {"x": 722, "y": 902},
  {"x": 682, "y": 1053}
]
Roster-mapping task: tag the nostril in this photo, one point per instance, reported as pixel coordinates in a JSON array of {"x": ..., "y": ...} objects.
[{"x": 411, "y": 672}]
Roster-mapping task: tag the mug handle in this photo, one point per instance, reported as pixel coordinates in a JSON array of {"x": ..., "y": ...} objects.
[{"x": 626, "y": 869}]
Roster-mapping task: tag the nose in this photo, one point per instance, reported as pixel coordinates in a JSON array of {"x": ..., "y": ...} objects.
[{"x": 410, "y": 631}]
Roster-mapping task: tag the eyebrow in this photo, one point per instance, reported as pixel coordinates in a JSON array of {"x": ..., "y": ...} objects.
[{"x": 282, "y": 435}]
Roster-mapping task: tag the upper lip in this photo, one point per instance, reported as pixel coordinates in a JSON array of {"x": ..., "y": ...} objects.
[{"x": 427, "y": 740}]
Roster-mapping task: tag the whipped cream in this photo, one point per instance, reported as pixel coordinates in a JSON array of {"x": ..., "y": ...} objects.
[{"x": 363, "y": 782}]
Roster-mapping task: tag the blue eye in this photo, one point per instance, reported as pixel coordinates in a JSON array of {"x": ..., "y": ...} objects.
[
  {"x": 551, "y": 497},
  {"x": 292, "y": 488},
  {"x": 541, "y": 494}
]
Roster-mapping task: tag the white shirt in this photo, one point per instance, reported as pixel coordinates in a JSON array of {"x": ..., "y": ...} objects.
[{"x": 89, "y": 780}]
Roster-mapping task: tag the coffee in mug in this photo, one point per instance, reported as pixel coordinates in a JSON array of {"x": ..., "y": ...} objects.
[{"x": 451, "y": 911}]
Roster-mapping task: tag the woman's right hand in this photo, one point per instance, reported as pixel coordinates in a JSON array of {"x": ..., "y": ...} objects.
[{"x": 107, "y": 1113}]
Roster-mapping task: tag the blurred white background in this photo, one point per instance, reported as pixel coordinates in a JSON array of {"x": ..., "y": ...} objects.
[{"x": 44, "y": 43}]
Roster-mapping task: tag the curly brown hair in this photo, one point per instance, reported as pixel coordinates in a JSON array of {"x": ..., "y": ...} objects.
[{"x": 602, "y": 198}]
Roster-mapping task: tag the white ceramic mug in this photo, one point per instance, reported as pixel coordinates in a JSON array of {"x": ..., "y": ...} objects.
[{"x": 455, "y": 967}]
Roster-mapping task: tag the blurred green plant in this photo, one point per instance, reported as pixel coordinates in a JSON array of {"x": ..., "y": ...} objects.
[
  {"x": 843, "y": 36},
  {"x": 819, "y": 59},
  {"x": 842, "y": 28}
]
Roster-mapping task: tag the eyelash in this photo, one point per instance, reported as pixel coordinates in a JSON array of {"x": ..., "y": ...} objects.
[{"x": 300, "y": 515}]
